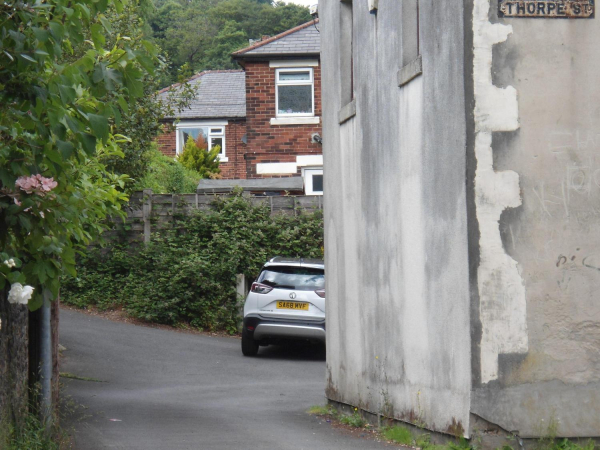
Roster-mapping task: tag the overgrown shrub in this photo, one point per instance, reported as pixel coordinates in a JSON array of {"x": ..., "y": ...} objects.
[
  {"x": 197, "y": 157},
  {"x": 167, "y": 175},
  {"x": 187, "y": 274}
]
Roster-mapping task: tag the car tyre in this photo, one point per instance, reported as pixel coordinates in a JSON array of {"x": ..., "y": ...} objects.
[{"x": 249, "y": 345}]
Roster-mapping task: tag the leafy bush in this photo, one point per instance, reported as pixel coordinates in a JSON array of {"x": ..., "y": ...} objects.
[
  {"x": 196, "y": 157},
  {"x": 188, "y": 274},
  {"x": 167, "y": 176},
  {"x": 355, "y": 420}
]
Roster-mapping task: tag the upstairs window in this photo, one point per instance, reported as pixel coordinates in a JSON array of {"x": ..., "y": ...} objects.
[
  {"x": 205, "y": 137},
  {"x": 295, "y": 92}
]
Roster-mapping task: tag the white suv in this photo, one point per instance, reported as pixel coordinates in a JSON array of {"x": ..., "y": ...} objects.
[{"x": 287, "y": 301}]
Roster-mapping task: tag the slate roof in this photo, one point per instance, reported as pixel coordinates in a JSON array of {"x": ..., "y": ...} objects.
[
  {"x": 302, "y": 40},
  {"x": 221, "y": 94}
]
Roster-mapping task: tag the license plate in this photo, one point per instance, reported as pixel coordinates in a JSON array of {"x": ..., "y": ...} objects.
[{"x": 293, "y": 305}]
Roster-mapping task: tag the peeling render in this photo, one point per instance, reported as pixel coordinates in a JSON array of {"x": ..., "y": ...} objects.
[{"x": 501, "y": 289}]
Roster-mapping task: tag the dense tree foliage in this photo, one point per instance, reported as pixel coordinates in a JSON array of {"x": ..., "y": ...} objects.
[
  {"x": 204, "y": 33},
  {"x": 56, "y": 129}
]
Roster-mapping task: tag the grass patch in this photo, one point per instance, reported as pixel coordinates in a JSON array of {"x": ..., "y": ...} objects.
[
  {"x": 77, "y": 377},
  {"x": 30, "y": 435},
  {"x": 318, "y": 410},
  {"x": 398, "y": 434}
]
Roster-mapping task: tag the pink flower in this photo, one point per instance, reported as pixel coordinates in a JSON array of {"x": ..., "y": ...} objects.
[{"x": 36, "y": 184}]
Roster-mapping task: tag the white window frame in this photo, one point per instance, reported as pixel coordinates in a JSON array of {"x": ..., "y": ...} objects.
[
  {"x": 307, "y": 174},
  {"x": 278, "y": 83},
  {"x": 221, "y": 124}
]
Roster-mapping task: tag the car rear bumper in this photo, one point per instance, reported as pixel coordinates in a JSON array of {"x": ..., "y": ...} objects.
[{"x": 261, "y": 328}]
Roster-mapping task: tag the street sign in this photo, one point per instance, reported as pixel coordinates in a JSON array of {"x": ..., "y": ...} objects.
[{"x": 547, "y": 9}]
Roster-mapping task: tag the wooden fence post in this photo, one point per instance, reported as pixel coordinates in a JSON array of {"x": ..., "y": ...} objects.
[{"x": 147, "y": 212}]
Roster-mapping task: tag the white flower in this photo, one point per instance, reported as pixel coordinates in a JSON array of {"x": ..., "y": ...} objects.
[
  {"x": 10, "y": 263},
  {"x": 20, "y": 294}
]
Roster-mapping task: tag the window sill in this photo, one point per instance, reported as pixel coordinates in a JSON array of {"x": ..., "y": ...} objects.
[
  {"x": 223, "y": 158},
  {"x": 295, "y": 121},
  {"x": 410, "y": 71},
  {"x": 347, "y": 112}
]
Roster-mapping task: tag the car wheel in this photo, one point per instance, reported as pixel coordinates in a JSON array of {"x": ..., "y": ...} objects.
[{"x": 249, "y": 345}]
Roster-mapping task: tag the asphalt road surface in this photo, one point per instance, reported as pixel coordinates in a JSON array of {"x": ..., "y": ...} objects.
[{"x": 163, "y": 389}]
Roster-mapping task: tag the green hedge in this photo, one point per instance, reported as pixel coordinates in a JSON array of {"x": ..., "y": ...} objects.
[{"x": 188, "y": 274}]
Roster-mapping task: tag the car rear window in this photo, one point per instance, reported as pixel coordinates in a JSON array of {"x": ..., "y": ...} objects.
[{"x": 297, "y": 278}]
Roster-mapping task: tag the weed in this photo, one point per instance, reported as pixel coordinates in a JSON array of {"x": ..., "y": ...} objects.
[
  {"x": 424, "y": 442},
  {"x": 355, "y": 420},
  {"x": 462, "y": 444},
  {"x": 398, "y": 434},
  {"x": 77, "y": 377}
]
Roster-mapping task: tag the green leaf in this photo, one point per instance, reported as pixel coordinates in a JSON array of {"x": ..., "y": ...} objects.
[
  {"x": 105, "y": 24},
  {"x": 133, "y": 83},
  {"x": 74, "y": 124},
  {"x": 57, "y": 30},
  {"x": 123, "y": 104},
  {"x": 98, "y": 36},
  {"x": 40, "y": 34},
  {"x": 146, "y": 63},
  {"x": 88, "y": 142},
  {"x": 53, "y": 156},
  {"x": 84, "y": 9},
  {"x": 14, "y": 277},
  {"x": 35, "y": 302},
  {"x": 41, "y": 93},
  {"x": 67, "y": 93},
  {"x": 60, "y": 131},
  {"x": 99, "y": 125},
  {"x": 66, "y": 148},
  {"x": 25, "y": 221},
  {"x": 111, "y": 77},
  {"x": 28, "y": 58}
]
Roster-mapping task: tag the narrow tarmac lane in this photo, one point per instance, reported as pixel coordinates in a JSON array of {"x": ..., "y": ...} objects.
[{"x": 163, "y": 389}]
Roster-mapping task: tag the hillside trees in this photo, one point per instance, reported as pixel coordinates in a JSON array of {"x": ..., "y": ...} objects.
[{"x": 204, "y": 33}]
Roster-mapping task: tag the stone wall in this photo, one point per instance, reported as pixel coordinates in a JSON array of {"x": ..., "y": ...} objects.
[{"x": 14, "y": 359}]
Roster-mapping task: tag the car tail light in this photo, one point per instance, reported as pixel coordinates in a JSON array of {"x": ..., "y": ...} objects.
[
  {"x": 259, "y": 288},
  {"x": 320, "y": 293}
]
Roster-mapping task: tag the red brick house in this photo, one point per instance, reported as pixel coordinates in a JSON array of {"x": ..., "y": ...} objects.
[
  {"x": 218, "y": 113},
  {"x": 269, "y": 114}
]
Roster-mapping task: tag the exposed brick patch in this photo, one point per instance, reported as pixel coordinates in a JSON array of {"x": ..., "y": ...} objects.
[{"x": 166, "y": 140}]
